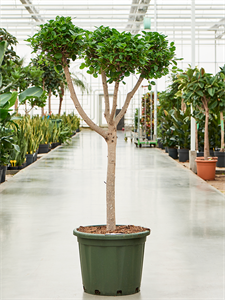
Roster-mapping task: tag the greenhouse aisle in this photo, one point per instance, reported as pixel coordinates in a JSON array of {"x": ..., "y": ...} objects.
[{"x": 41, "y": 205}]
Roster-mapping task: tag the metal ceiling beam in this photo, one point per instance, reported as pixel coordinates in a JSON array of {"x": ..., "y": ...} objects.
[
  {"x": 137, "y": 12},
  {"x": 32, "y": 10}
]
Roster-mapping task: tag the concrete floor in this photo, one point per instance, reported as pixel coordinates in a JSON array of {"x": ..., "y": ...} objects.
[{"x": 42, "y": 204}]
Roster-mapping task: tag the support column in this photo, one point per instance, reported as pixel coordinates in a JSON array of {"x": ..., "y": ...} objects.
[
  {"x": 192, "y": 152},
  {"x": 155, "y": 92}
]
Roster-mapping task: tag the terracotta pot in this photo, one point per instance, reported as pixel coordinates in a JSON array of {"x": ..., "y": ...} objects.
[{"x": 206, "y": 169}]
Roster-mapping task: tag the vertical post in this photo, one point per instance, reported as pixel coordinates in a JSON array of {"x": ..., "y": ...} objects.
[
  {"x": 192, "y": 152},
  {"x": 155, "y": 92},
  {"x": 215, "y": 53}
]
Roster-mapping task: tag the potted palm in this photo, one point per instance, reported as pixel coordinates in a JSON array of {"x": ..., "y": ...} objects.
[
  {"x": 204, "y": 92},
  {"x": 111, "y": 255}
]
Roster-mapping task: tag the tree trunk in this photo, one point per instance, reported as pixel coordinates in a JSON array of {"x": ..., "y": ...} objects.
[
  {"x": 42, "y": 112},
  {"x": 183, "y": 106},
  {"x": 196, "y": 137},
  {"x": 16, "y": 106},
  {"x": 206, "y": 134},
  {"x": 61, "y": 98},
  {"x": 79, "y": 108},
  {"x": 49, "y": 101},
  {"x": 42, "y": 109},
  {"x": 110, "y": 183},
  {"x": 60, "y": 104}
]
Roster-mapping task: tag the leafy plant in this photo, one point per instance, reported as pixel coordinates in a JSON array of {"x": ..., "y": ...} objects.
[
  {"x": 205, "y": 92},
  {"x": 113, "y": 55},
  {"x": 181, "y": 126}
]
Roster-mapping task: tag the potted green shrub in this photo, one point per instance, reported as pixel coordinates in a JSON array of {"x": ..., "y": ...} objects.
[
  {"x": 181, "y": 125},
  {"x": 114, "y": 265},
  {"x": 204, "y": 92},
  {"x": 221, "y": 108},
  {"x": 169, "y": 138}
]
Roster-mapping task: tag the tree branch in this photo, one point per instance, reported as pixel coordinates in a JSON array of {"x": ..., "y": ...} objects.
[
  {"x": 127, "y": 101},
  {"x": 79, "y": 108},
  {"x": 115, "y": 94},
  {"x": 106, "y": 96}
]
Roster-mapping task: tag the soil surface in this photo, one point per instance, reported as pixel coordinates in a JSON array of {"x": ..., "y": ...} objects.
[{"x": 125, "y": 229}]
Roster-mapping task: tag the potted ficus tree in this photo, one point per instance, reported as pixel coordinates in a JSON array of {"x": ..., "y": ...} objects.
[
  {"x": 204, "y": 91},
  {"x": 114, "y": 264}
]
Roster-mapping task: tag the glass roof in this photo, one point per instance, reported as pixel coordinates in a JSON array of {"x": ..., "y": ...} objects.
[{"x": 21, "y": 17}]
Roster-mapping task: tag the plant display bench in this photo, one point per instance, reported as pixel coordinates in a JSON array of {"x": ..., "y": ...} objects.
[{"x": 145, "y": 142}]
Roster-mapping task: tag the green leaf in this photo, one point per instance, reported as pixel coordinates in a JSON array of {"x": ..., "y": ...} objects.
[
  {"x": 74, "y": 57},
  {"x": 59, "y": 68},
  {"x": 213, "y": 105},
  {"x": 33, "y": 92},
  {"x": 3, "y": 113},
  {"x": 149, "y": 87},
  {"x": 200, "y": 93},
  {"x": 3, "y": 46},
  {"x": 7, "y": 100},
  {"x": 58, "y": 55},
  {"x": 82, "y": 66},
  {"x": 210, "y": 91}
]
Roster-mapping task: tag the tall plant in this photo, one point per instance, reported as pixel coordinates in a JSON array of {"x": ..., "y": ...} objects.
[
  {"x": 113, "y": 56},
  {"x": 204, "y": 92},
  {"x": 221, "y": 108}
]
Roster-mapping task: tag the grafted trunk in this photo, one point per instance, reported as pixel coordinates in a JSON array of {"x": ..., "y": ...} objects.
[
  {"x": 49, "y": 101},
  {"x": 206, "y": 135},
  {"x": 110, "y": 182},
  {"x": 222, "y": 132}
]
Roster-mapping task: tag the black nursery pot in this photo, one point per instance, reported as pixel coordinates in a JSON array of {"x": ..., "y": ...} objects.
[
  {"x": 173, "y": 153},
  {"x": 54, "y": 145},
  {"x": 183, "y": 155},
  {"x": 44, "y": 148},
  {"x": 2, "y": 173},
  {"x": 221, "y": 159},
  {"x": 160, "y": 144},
  {"x": 29, "y": 159}
]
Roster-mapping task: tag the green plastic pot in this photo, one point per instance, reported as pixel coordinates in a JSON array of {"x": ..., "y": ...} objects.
[{"x": 111, "y": 264}]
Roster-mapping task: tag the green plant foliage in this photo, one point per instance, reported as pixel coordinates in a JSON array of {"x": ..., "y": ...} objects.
[
  {"x": 205, "y": 92},
  {"x": 120, "y": 54},
  {"x": 181, "y": 125},
  {"x": 57, "y": 39}
]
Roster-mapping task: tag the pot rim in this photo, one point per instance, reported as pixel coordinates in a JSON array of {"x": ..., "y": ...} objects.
[
  {"x": 108, "y": 236},
  {"x": 201, "y": 159}
]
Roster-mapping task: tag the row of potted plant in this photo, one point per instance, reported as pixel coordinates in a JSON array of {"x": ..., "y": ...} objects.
[
  {"x": 206, "y": 94},
  {"x": 36, "y": 135}
]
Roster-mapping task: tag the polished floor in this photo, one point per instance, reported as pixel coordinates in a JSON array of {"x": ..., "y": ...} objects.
[{"x": 42, "y": 204}]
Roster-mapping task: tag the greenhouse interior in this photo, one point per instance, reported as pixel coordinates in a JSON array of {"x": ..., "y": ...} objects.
[{"x": 112, "y": 138}]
